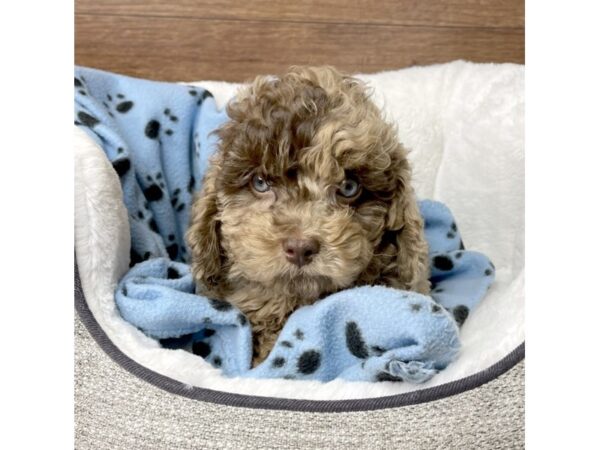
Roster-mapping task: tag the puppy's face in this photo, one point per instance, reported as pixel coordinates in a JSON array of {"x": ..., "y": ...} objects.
[
  {"x": 313, "y": 229},
  {"x": 307, "y": 186}
]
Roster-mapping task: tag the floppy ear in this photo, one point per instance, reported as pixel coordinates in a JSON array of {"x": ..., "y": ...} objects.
[
  {"x": 402, "y": 259},
  {"x": 411, "y": 265},
  {"x": 203, "y": 237}
]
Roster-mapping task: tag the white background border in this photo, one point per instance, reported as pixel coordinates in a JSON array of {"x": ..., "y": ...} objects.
[
  {"x": 562, "y": 231},
  {"x": 562, "y": 237}
]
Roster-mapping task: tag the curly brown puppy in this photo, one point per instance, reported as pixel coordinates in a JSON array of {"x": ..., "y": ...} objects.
[{"x": 308, "y": 193}]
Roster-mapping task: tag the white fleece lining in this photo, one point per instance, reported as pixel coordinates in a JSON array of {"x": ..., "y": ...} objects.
[{"x": 464, "y": 125}]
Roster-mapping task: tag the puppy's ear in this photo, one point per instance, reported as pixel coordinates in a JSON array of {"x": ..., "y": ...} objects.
[
  {"x": 405, "y": 224},
  {"x": 402, "y": 259},
  {"x": 203, "y": 237}
]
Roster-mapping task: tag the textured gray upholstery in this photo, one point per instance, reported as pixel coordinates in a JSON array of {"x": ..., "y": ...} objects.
[{"x": 116, "y": 409}]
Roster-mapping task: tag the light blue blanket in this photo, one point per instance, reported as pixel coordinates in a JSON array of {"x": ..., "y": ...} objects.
[{"x": 157, "y": 136}]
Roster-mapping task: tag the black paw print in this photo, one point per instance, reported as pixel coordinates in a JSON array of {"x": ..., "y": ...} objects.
[
  {"x": 172, "y": 247},
  {"x": 152, "y": 129},
  {"x": 80, "y": 86},
  {"x": 490, "y": 270},
  {"x": 141, "y": 216},
  {"x": 121, "y": 166},
  {"x": 121, "y": 104},
  {"x": 173, "y": 118},
  {"x": 135, "y": 258},
  {"x": 153, "y": 226},
  {"x": 86, "y": 120},
  {"x": 194, "y": 93},
  {"x": 154, "y": 191},
  {"x": 176, "y": 202}
]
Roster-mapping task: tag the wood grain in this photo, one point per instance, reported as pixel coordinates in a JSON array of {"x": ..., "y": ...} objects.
[
  {"x": 461, "y": 13},
  {"x": 176, "y": 48}
]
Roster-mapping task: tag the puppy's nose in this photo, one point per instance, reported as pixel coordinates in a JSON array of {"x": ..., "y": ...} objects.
[{"x": 300, "y": 251}]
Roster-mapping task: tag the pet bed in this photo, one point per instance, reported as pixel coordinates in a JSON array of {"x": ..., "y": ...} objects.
[{"x": 463, "y": 123}]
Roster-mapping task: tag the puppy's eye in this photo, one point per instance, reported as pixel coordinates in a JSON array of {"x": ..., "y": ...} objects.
[
  {"x": 349, "y": 188},
  {"x": 259, "y": 184}
]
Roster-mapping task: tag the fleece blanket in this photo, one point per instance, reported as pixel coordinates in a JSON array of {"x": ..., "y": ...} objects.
[{"x": 157, "y": 136}]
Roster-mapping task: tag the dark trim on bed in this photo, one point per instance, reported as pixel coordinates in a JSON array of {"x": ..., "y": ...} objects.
[{"x": 314, "y": 406}]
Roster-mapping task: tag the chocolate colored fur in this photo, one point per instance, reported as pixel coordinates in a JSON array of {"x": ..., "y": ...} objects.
[{"x": 304, "y": 133}]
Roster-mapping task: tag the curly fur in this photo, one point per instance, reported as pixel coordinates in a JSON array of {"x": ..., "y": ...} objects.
[{"x": 304, "y": 132}]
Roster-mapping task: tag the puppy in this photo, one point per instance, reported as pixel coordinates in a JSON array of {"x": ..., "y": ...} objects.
[{"x": 308, "y": 193}]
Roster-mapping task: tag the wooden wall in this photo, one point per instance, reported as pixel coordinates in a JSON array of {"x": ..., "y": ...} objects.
[{"x": 233, "y": 40}]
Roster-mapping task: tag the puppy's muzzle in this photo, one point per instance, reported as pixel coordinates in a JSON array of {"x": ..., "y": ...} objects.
[{"x": 300, "y": 251}]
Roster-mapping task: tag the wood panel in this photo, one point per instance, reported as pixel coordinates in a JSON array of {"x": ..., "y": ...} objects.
[
  {"x": 464, "y": 13},
  {"x": 176, "y": 48}
]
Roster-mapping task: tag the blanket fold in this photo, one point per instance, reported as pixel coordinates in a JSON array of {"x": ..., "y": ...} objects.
[{"x": 158, "y": 136}]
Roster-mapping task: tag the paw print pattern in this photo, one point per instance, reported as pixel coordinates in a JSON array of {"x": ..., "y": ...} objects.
[
  {"x": 80, "y": 86},
  {"x": 124, "y": 105},
  {"x": 154, "y": 127},
  {"x": 86, "y": 119},
  {"x": 354, "y": 341},
  {"x": 172, "y": 118},
  {"x": 460, "y": 313},
  {"x": 490, "y": 270},
  {"x": 278, "y": 362},
  {"x": 120, "y": 104},
  {"x": 154, "y": 191},
  {"x": 443, "y": 263},
  {"x": 153, "y": 226},
  {"x": 194, "y": 93},
  {"x": 135, "y": 257},
  {"x": 308, "y": 362},
  {"x": 356, "y": 345},
  {"x": 176, "y": 202},
  {"x": 172, "y": 247},
  {"x": 452, "y": 233},
  {"x": 201, "y": 349},
  {"x": 141, "y": 216},
  {"x": 173, "y": 251},
  {"x": 121, "y": 166}
]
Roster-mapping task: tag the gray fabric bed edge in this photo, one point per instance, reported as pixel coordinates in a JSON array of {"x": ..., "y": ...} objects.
[{"x": 237, "y": 400}]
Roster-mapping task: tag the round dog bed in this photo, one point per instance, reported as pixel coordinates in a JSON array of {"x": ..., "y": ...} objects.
[{"x": 463, "y": 123}]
